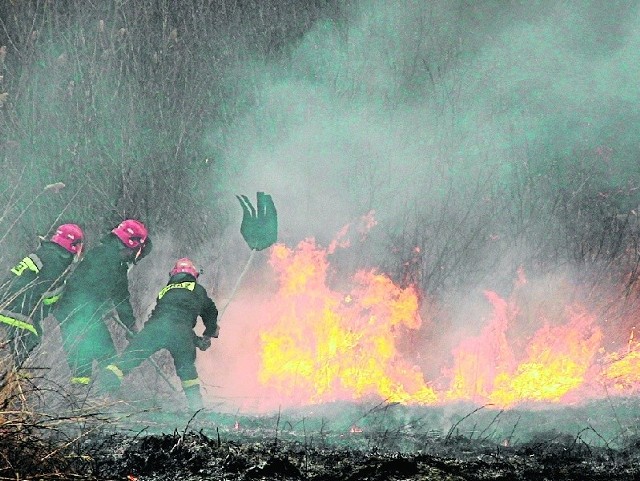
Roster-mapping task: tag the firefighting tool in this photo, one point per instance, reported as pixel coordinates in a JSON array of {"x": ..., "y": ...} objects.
[
  {"x": 259, "y": 229},
  {"x": 259, "y": 226}
]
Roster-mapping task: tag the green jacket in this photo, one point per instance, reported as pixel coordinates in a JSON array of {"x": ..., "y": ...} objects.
[
  {"x": 97, "y": 285},
  {"x": 33, "y": 286},
  {"x": 182, "y": 301}
]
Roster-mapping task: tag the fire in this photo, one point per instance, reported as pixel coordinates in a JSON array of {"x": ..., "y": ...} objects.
[
  {"x": 623, "y": 369},
  {"x": 556, "y": 363},
  {"x": 556, "y": 360},
  {"x": 319, "y": 342},
  {"x": 477, "y": 361},
  {"x": 326, "y": 344}
]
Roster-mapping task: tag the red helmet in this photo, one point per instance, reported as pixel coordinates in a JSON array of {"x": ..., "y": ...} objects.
[
  {"x": 131, "y": 232},
  {"x": 69, "y": 236},
  {"x": 184, "y": 265}
]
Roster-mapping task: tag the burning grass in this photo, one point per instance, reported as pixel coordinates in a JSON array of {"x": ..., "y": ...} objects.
[{"x": 320, "y": 337}]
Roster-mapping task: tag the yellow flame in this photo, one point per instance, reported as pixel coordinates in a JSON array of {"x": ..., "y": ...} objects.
[
  {"x": 326, "y": 345},
  {"x": 323, "y": 343},
  {"x": 557, "y": 362},
  {"x": 623, "y": 369}
]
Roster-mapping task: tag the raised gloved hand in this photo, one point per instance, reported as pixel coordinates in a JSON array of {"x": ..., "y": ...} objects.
[{"x": 203, "y": 342}]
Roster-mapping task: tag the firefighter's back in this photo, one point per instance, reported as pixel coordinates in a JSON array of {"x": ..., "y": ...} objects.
[{"x": 180, "y": 301}]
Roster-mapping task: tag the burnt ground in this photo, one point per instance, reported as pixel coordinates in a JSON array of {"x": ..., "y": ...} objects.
[
  {"x": 331, "y": 442},
  {"x": 194, "y": 456}
]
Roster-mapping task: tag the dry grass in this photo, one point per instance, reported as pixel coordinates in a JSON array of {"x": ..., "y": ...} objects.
[{"x": 43, "y": 427}]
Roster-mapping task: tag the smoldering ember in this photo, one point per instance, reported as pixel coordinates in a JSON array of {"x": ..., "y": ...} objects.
[{"x": 319, "y": 240}]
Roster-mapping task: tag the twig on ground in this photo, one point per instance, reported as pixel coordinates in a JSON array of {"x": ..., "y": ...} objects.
[
  {"x": 490, "y": 424},
  {"x": 455, "y": 425}
]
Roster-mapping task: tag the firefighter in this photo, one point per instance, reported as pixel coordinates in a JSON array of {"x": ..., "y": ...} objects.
[
  {"x": 98, "y": 286},
  {"x": 170, "y": 326},
  {"x": 32, "y": 288}
]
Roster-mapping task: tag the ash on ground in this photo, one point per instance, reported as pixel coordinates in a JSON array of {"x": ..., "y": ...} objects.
[{"x": 341, "y": 441}]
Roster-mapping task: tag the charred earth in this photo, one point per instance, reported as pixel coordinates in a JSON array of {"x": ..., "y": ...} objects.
[{"x": 596, "y": 441}]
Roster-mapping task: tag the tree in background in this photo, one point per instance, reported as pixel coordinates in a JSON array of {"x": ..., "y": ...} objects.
[{"x": 134, "y": 106}]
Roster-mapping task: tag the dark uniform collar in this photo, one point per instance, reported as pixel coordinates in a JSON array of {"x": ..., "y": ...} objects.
[{"x": 182, "y": 277}]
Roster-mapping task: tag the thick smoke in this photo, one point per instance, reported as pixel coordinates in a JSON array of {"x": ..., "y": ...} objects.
[
  {"x": 405, "y": 101},
  {"x": 458, "y": 117}
]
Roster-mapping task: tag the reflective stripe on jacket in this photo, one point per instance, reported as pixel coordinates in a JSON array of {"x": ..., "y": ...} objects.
[
  {"x": 18, "y": 320},
  {"x": 31, "y": 262},
  {"x": 52, "y": 296}
]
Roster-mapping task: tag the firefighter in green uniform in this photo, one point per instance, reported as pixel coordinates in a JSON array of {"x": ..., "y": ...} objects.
[
  {"x": 170, "y": 326},
  {"x": 33, "y": 287},
  {"x": 97, "y": 286}
]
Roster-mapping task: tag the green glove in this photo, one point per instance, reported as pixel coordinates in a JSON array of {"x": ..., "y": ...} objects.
[{"x": 259, "y": 226}]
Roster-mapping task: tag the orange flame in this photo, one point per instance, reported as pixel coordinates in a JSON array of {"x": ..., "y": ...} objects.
[
  {"x": 623, "y": 369},
  {"x": 320, "y": 343},
  {"x": 556, "y": 359},
  {"x": 477, "y": 361},
  {"x": 556, "y": 363},
  {"x": 326, "y": 345}
]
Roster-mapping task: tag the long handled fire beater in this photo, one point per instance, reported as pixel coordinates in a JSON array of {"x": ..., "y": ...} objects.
[{"x": 259, "y": 229}]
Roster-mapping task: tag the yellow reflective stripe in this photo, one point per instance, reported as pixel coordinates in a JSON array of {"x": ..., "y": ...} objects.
[
  {"x": 52, "y": 296},
  {"x": 31, "y": 265},
  {"x": 15, "y": 315},
  {"x": 116, "y": 370},
  {"x": 80, "y": 380},
  {"x": 51, "y": 300},
  {"x": 190, "y": 382},
  {"x": 179, "y": 285},
  {"x": 26, "y": 263},
  {"x": 16, "y": 323}
]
